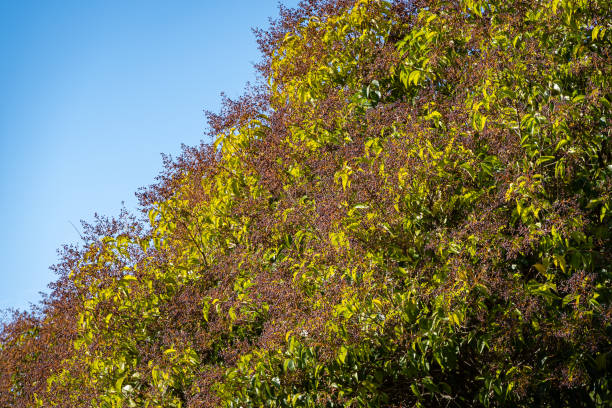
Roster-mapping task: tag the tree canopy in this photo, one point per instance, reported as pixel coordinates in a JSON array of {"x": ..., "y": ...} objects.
[{"x": 413, "y": 208}]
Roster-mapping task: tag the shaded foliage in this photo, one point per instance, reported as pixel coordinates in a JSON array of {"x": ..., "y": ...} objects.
[{"x": 412, "y": 209}]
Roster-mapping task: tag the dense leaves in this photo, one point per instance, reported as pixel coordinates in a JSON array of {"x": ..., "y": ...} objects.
[{"x": 413, "y": 209}]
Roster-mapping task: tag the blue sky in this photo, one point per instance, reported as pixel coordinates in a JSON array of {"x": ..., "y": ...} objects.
[{"x": 92, "y": 93}]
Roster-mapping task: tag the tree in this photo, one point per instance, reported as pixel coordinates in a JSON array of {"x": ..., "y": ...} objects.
[{"x": 412, "y": 210}]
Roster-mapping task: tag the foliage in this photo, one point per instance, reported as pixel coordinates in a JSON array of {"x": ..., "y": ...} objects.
[{"x": 414, "y": 209}]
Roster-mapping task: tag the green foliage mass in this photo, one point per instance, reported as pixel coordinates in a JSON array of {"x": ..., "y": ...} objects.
[{"x": 413, "y": 210}]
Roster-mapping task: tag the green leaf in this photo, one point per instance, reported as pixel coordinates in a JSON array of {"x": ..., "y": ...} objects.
[
  {"x": 288, "y": 365},
  {"x": 555, "y": 4},
  {"x": 119, "y": 383},
  {"x": 342, "y": 353},
  {"x": 232, "y": 314}
]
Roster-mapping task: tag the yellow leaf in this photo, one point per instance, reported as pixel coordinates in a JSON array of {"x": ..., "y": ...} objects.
[
  {"x": 414, "y": 77},
  {"x": 594, "y": 32},
  {"x": 541, "y": 268}
]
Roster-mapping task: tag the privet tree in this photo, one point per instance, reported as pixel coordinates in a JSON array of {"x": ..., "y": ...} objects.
[{"x": 413, "y": 209}]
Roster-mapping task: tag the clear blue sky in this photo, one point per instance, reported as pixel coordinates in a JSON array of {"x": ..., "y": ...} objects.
[{"x": 91, "y": 93}]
